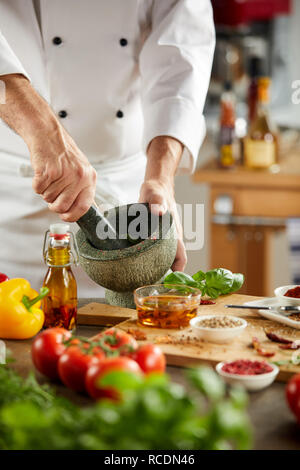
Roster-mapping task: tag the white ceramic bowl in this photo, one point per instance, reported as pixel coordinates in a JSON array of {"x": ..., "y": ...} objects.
[
  {"x": 251, "y": 383},
  {"x": 216, "y": 335},
  {"x": 283, "y": 300}
]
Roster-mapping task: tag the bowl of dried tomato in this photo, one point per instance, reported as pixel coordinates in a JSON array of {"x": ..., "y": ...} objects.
[
  {"x": 252, "y": 375},
  {"x": 288, "y": 295}
]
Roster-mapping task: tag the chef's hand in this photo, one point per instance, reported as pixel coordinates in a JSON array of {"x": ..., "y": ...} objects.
[
  {"x": 62, "y": 174},
  {"x": 160, "y": 197},
  {"x": 163, "y": 156}
]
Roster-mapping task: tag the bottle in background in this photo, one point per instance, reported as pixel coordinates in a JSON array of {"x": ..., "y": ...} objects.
[
  {"x": 227, "y": 140},
  {"x": 60, "y": 304},
  {"x": 255, "y": 71},
  {"x": 261, "y": 143}
]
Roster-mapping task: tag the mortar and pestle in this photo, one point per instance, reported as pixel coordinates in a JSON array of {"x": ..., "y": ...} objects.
[{"x": 123, "y": 262}]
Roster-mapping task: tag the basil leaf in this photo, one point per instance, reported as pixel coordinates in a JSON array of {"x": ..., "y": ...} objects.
[
  {"x": 180, "y": 278},
  {"x": 238, "y": 281},
  {"x": 184, "y": 290},
  {"x": 199, "y": 276},
  {"x": 212, "y": 292},
  {"x": 220, "y": 278}
]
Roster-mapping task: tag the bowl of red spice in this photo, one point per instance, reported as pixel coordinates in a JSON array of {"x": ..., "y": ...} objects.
[
  {"x": 251, "y": 374},
  {"x": 288, "y": 295}
]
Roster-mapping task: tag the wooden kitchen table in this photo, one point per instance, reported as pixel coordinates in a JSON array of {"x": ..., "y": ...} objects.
[
  {"x": 274, "y": 426},
  {"x": 247, "y": 208}
]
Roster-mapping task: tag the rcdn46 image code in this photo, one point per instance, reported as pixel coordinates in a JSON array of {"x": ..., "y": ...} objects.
[{"x": 151, "y": 459}]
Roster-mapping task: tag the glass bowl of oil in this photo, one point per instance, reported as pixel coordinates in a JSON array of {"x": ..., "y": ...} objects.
[{"x": 168, "y": 306}]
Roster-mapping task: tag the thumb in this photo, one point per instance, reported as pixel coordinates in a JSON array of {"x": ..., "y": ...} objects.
[
  {"x": 157, "y": 203},
  {"x": 155, "y": 195}
]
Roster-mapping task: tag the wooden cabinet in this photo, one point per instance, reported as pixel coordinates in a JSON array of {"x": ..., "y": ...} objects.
[{"x": 247, "y": 208}]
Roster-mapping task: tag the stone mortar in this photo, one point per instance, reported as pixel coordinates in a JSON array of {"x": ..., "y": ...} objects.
[{"x": 122, "y": 271}]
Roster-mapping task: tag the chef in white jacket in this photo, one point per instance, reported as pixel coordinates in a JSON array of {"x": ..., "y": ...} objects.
[{"x": 99, "y": 99}]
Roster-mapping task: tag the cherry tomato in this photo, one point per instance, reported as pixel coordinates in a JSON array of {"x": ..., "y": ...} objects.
[
  {"x": 3, "y": 277},
  {"x": 99, "y": 370},
  {"x": 292, "y": 393},
  {"x": 150, "y": 358},
  {"x": 74, "y": 363},
  {"x": 46, "y": 350},
  {"x": 118, "y": 340}
]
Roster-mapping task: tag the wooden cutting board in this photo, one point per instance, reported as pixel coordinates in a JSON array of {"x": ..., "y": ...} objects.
[
  {"x": 183, "y": 349},
  {"x": 98, "y": 314}
]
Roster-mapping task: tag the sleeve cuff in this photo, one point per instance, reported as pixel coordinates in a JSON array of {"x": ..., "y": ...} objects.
[
  {"x": 178, "y": 118},
  {"x": 9, "y": 62}
]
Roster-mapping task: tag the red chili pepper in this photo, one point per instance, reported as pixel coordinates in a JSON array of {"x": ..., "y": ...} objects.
[
  {"x": 285, "y": 343},
  {"x": 276, "y": 338},
  {"x": 3, "y": 277},
  {"x": 262, "y": 352},
  {"x": 293, "y": 345},
  {"x": 207, "y": 302}
]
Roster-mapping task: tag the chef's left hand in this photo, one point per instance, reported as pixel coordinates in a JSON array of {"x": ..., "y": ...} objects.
[
  {"x": 163, "y": 156},
  {"x": 161, "y": 198}
]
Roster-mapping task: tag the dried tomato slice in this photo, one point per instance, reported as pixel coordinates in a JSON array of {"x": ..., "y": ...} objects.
[{"x": 262, "y": 352}]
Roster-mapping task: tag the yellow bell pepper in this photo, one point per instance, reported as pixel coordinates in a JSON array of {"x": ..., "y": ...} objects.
[{"x": 20, "y": 315}]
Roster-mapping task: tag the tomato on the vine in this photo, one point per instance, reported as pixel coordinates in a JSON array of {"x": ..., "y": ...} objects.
[
  {"x": 46, "y": 350},
  {"x": 150, "y": 358},
  {"x": 292, "y": 392},
  {"x": 75, "y": 362},
  {"x": 117, "y": 340},
  {"x": 98, "y": 371},
  {"x": 3, "y": 277}
]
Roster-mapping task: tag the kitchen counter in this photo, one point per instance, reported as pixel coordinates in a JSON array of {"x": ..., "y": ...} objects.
[{"x": 274, "y": 426}]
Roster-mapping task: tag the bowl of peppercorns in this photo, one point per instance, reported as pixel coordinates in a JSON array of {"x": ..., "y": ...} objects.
[{"x": 217, "y": 328}]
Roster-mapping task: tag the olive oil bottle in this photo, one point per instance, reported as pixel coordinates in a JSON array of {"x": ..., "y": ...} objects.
[
  {"x": 261, "y": 143},
  {"x": 60, "y": 304}
]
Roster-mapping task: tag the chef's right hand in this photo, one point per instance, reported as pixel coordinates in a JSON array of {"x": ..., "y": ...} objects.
[{"x": 63, "y": 175}]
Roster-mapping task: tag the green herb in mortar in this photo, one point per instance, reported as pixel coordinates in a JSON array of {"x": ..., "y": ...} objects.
[{"x": 213, "y": 283}]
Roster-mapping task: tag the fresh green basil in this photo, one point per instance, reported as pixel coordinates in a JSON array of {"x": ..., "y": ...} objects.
[
  {"x": 199, "y": 276},
  {"x": 238, "y": 281},
  {"x": 178, "y": 277},
  {"x": 220, "y": 279},
  {"x": 213, "y": 283}
]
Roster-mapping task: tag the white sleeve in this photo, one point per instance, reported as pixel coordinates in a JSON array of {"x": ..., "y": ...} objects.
[
  {"x": 175, "y": 66},
  {"x": 9, "y": 62}
]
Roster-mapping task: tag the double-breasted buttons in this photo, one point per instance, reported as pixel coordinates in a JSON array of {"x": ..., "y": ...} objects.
[
  {"x": 57, "y": 40},
  {"x": 123, "y": 42},
  {"x": 63, "y": 113}
]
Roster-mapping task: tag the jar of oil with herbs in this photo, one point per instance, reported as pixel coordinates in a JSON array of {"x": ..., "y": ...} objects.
[
  {"x": 166, "y": 306},
  {"x": 60, "y": 304}
]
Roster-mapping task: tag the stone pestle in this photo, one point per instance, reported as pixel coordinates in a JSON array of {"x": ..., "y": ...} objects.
[{"x": 89, "y": 223}]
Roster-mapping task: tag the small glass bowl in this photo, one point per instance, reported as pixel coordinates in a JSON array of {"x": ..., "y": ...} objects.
[{"x": 171, "y": 306}]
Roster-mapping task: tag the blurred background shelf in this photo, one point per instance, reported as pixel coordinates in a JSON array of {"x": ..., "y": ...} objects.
[{"x": 247, "y": 209}]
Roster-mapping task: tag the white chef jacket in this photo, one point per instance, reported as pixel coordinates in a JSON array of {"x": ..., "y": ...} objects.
[{"x": 122, "y": 72}]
